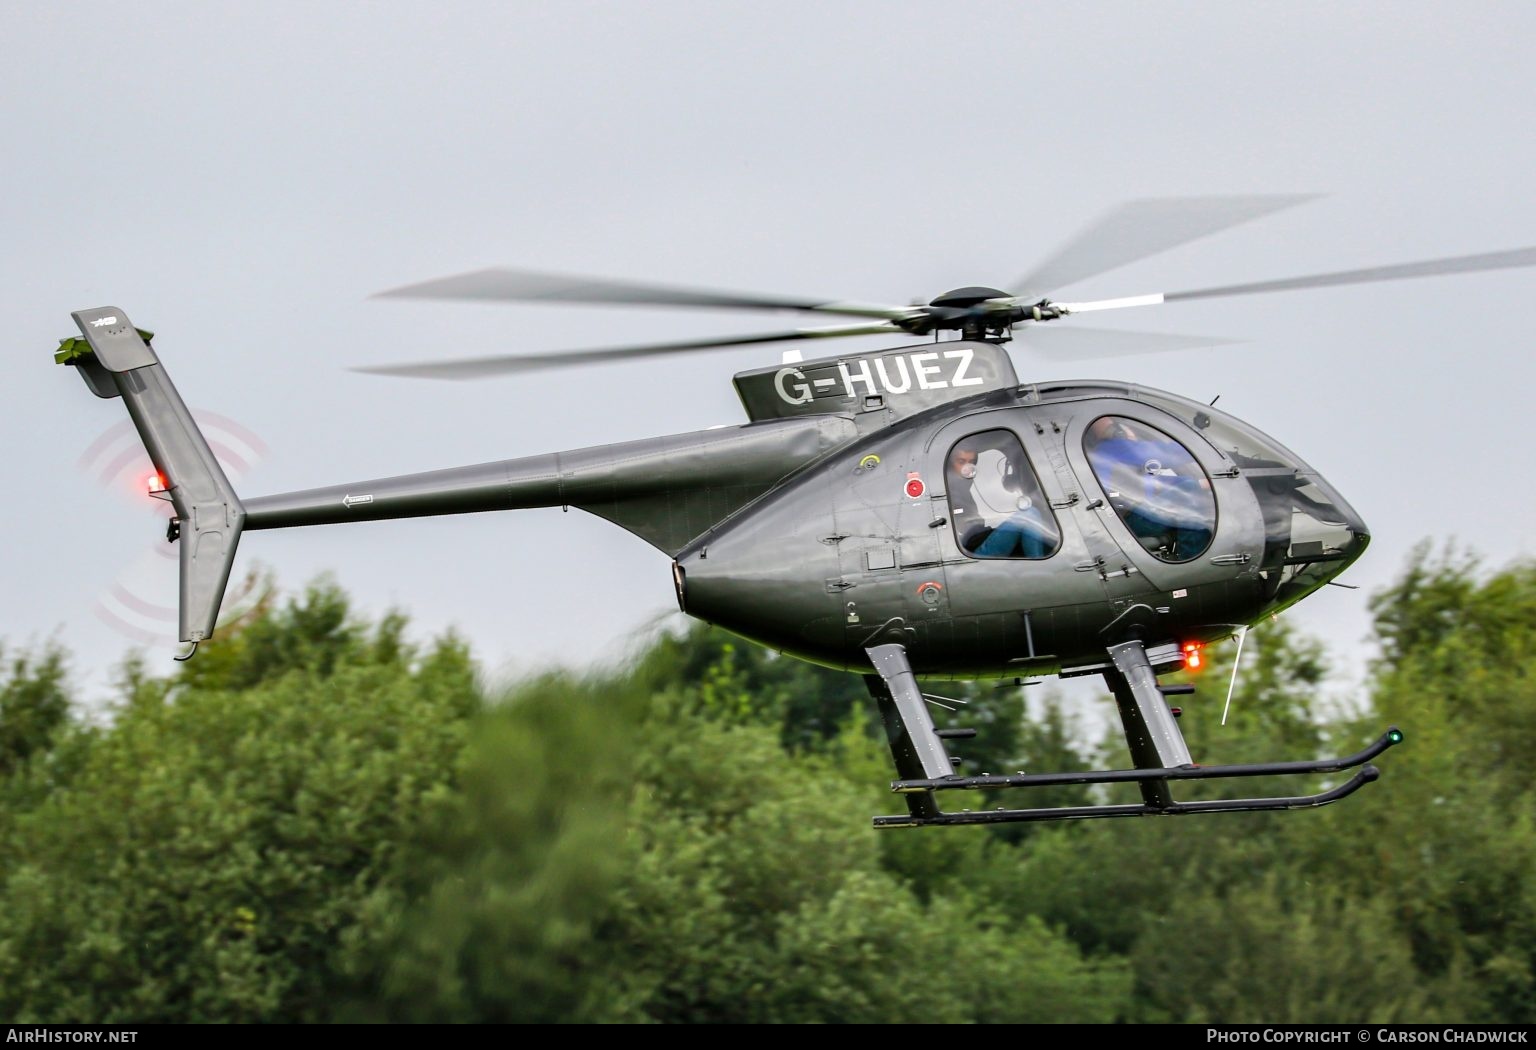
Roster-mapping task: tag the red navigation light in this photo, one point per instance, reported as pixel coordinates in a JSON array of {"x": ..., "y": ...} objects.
[
  {"x": 156, "y": 483},
  {"x": 1192, "y": 655}
]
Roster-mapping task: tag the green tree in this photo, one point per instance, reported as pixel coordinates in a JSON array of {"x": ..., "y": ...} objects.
[
  {"x": 742, "y": 681},
  {"x": 646, "y": 851},
  {"x": 1122, "y": 888},
  {"x": 1264, "y": 952},
  {"x": 34, "y": 704},
  {"x": 1449, "y": 836},
  {"x": 200, "y": 859},
  {"x": 758, "y": 893},
  {"x": 319, "y": 819},
  {"x": 493, "y": 914}
]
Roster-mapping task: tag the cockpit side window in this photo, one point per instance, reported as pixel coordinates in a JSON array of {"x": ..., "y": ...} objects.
[
  {"x": 996, "y": 506},
  {"x": 1160, "y": 491}
]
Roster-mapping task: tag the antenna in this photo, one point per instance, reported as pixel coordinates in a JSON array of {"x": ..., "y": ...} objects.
[{"x": 1242, "y": 632}]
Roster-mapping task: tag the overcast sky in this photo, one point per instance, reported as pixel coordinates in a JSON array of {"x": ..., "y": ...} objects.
[{"x": 242, "y": 177}]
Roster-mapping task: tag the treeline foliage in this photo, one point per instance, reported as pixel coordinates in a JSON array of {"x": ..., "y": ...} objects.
[{"x": 318, "y": 819}]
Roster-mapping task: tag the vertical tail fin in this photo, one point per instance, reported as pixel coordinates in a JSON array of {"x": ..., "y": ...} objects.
[{"x": 116, "y": 360}]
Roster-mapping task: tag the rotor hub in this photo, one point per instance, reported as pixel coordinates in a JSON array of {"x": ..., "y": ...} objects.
[{"x": 964, "y": 298}]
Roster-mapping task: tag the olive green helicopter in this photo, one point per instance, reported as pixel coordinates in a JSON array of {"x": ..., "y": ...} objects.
[{"x": 909, "y": 514}]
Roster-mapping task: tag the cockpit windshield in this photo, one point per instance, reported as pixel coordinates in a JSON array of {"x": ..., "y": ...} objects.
[{"x": 1310, "y": 532}]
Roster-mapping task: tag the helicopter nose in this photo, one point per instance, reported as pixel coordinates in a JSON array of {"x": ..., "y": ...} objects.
[
  {"x": 1327, "y": 536},
  {"x": 1323, "y": 519},
  {"x": 1358, "y": 527}
]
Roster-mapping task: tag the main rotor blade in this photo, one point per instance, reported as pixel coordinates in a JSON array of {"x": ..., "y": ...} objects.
[
  {"x": 1139, "y": 229},
  {"x": 1505, "y": 260},
  {"x": 501, "y": 284},
  {"x": 483, "y": 367},
  {"x": 1087, "y": 344}
]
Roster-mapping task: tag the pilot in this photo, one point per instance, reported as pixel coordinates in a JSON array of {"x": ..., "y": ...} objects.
[
  {"x": 1023, "y": 533},
  {"x": 1158, "y": 488},
  {"x": 970, "y": 526}
]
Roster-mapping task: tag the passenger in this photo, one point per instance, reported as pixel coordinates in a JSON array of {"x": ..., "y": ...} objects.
[{"x": 1022, "y": 533}]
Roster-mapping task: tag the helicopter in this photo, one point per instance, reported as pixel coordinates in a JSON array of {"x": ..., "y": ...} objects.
[{"x": 909, "y": 514}]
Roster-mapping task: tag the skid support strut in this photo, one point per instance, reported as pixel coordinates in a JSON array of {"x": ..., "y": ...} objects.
[
  {"x": 915, "y": 744},
  {"x": 1151, "y": 732}
]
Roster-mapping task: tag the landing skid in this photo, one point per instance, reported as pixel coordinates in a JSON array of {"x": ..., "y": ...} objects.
[{"x": 1152, "y": 735}]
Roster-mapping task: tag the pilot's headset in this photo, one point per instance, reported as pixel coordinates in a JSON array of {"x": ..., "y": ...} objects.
[{"x": 1011, "y": 480}]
